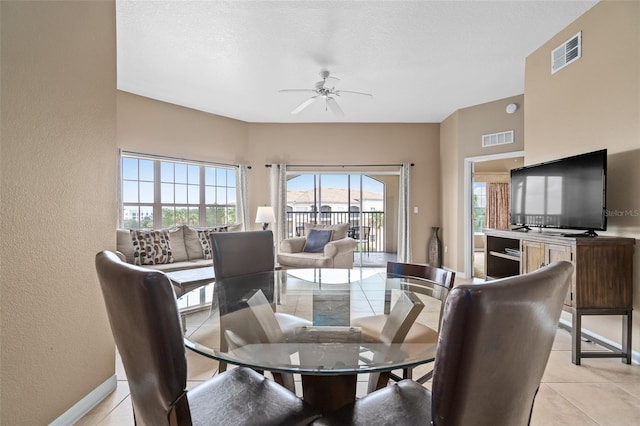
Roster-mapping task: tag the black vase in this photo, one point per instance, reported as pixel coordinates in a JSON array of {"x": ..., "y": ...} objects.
[{"x": 435, "y": 249}]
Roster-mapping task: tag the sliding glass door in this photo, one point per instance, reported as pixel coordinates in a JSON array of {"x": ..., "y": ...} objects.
[{"x": 332, "y": 198}]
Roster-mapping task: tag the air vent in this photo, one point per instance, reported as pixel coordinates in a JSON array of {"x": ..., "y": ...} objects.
[
  {"x": 500, "y": 138},
  {"x": 568, "y": 52}
]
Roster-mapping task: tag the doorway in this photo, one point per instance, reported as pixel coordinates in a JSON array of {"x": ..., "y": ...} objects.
[
  {"x": 359, "y": 199},
  {"x": 481, "y": 172}
]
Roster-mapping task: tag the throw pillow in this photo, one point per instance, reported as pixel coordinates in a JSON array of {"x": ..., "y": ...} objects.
[
  {"x": 151, "y": 247},
  {"x": 123, "y": 243},
  {"x": 340, "y": 230},
  {"x": 205, "y": 242},
  {"x": 178, "y": 247},
  {"x": 316, "y": 240},
  {"x": 205, "y": 239}
]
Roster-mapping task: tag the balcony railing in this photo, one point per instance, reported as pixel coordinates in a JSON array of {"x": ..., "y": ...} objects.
[{"x": 375, "y": 220}]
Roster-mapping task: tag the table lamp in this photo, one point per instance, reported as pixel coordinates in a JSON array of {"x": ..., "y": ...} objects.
[{"x": 265, "y": 216}]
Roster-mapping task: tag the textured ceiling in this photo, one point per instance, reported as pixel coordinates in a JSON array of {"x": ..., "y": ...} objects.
[{"x": 421, "y": 60}]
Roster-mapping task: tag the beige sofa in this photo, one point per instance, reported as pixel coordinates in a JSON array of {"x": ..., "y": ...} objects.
[
  {"x": 337, "y": 253},
  {"x": 187, "y": 249}
]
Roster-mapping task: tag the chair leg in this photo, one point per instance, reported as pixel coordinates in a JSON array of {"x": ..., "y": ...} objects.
[
  {"x": 395, "y": 377},
  {"x": 285, "y": 380},
  {"x": 425, "y": 378},
  {"x": 407, "y": 373},
  {"x": 222, "y": 366},
  {"x": 378, "y": 381}
]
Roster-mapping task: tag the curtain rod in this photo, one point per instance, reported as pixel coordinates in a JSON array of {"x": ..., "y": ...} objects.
[
  {"x": 185, "y": 160},
  {"x": 342, "y": 165}
]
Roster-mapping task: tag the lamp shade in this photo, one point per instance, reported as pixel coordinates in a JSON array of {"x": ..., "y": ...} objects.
[{"x": 265, "y": 215}]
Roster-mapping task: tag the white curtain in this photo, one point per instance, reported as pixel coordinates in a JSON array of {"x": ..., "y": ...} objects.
[
  {"x": 119, "y": 212},
  {"x": 278, "y": 180},
  {"x": 404, "y": 220},
  {"x": 242, "y": 195}
]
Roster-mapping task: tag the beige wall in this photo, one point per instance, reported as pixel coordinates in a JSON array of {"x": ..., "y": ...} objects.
[
  {"x": 591, "y": 104},
  {"x": 154, "y": 127},
  {"x": 58, "y": 168},
  {"x": 460, "y": 138},
  {"x": 450, "y": 177},
  {"x": 486, "y": 168}
]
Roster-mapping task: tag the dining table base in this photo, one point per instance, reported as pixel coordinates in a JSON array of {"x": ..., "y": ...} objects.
[{"x": 329, "y": 393}]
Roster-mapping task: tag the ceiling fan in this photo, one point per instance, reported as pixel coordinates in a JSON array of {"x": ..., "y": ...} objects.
[{"x": 324, "y": 90}]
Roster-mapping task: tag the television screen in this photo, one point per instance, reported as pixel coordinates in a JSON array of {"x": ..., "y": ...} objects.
[{"x": 567, "y": 193}]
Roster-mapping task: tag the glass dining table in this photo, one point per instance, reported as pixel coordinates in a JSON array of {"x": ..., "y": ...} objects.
[{"x": 306, "y": 329}]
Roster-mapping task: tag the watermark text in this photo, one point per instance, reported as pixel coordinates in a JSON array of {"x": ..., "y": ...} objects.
[{"x": 622, "y": 213}]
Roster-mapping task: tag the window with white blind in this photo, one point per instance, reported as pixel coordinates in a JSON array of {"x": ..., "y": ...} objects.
[{"x": 479, "y": 206}]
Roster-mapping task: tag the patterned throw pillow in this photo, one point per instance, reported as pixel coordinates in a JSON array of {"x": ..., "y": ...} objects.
[
  {"x": 205, "y": 239},
  {"x": 205, "y": 242},
  {"x": 151, "y": 247}
]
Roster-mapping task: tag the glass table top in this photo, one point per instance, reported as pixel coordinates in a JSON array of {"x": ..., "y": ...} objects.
[{"x": 306, "y": 326}]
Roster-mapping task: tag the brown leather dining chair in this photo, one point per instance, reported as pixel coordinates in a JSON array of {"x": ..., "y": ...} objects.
[
  {"x": 241, "y": 254},
  {"x": 143, "y": 314},
  {"x": 438, "y": 275},
  {"x": 398, "y": 323},
  {"x": 492, "y": 352},
  {"x": 256, "y": 322},
  {"x": 436, "y": 285}
]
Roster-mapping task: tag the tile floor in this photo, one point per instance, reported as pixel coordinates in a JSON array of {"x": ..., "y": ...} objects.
[
  {"x": 599, "y": 392},
  {"x": 373, "y": 259}
]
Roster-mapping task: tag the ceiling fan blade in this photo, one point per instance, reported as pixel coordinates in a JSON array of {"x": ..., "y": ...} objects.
[
  {"x": 298, "y": 90},
  {"x": 323, "y": 89},
  {"x": 304, "y": 104},
  {"x": 334, "y": 107},
  {"x": 338, "y": 92}
]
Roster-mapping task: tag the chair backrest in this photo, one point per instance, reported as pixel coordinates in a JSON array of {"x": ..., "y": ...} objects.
[
  {"x": 494, "y": 346},
  {"x": 360, "y": 232},
  {"x": 395, "y": 329},
  {"x": 401, "y": 318},
  {"x": 241, "y": 253},
  {"x": 438, "y": 275},
  {"x": 255, "y": 323},
  {"x": 145, "y": 323},
  {"x": 266, "y": 318}
]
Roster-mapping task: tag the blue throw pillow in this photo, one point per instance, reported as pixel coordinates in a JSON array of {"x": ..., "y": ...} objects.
[{"x": 316, "y": 240}]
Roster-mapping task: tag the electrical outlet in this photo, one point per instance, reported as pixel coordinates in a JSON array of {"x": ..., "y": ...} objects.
[
  {"x": 446, "y": 249},
  {"x": 415, "y": 210}
]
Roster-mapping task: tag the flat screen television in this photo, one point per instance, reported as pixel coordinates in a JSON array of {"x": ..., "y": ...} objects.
[{"x": 569, "y": 193}]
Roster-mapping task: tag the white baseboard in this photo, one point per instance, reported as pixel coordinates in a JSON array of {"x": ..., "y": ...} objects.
[
  {"x": 87, "y": 403},
  {"x": 635, "y": 355}
]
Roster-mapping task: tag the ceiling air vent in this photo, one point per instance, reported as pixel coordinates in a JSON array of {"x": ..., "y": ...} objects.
[
  {"x": 500, "y": 138},
  {"x": 569, "y": 51}
]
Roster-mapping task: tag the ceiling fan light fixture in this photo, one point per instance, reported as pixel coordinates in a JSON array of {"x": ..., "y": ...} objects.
[{"x": 323, "y": 90}]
